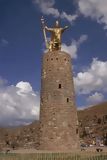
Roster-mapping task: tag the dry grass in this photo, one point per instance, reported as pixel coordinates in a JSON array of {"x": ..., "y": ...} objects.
[{"x": 54, "y": 156}]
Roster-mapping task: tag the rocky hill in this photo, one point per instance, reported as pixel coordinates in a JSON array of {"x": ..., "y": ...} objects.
[
  {"x": 93, "y": 123},
  {"x": 24, "y": 137},
  {"x": 92, "y": 126}
]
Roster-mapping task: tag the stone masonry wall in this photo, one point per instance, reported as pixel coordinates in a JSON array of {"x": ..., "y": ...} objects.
[{"x": 58, "y": 115}]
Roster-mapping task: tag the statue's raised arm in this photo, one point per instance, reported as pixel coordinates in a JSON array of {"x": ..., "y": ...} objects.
[{"x": 63, "y": 29}]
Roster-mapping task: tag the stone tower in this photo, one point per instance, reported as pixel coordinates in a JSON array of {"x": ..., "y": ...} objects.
[{"x": 58, "y": 115}]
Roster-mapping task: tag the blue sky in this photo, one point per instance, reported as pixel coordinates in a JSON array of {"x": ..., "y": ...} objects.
[{"x": 21, "y": 50}]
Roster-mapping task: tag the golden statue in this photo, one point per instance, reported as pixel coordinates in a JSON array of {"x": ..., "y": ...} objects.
[{"x": 56, "y": 34}]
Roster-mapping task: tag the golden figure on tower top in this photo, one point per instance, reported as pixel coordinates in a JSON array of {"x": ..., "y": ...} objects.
[{"x": 56, "y": 34}]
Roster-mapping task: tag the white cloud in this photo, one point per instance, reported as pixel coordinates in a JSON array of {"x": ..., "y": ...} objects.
[
  {"x": 19, "y": 105},
  {"x": 93, "y": 79},
  {"x": 73, "y": 47},
  {"x": 47, "y": 8},
  {"x": 82, "y": 39},
  {"x": 68, "y": 17},
  {"x": 25, "y": 87},
  {"x": 96, "y": 9},
  {"x": 95, "y": 98}
]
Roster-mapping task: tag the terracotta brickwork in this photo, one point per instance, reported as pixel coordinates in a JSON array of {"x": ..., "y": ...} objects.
[{"x": 58, "y": 115}]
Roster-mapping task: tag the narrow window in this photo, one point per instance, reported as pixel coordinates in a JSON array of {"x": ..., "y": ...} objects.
[
  {"x": 47, "y": 59},
  {"x": 56, "y": 58},
  {"x": 77, "y": 131},
  {"x": 51, "y": 58},
  {"x": 59, "y": 86},
  {"x": 67, "y": 100},
  {"x": 65, "y": 59}
]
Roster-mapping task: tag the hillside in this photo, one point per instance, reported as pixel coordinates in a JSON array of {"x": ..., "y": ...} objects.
[
  {"x": 98, "y": 110},
  {"x": 93, "y": 123},
  {"x": 25, "y": 136},
  {"x": 92, "y": 126}
]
